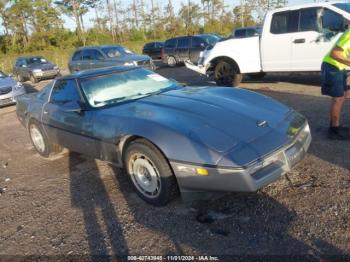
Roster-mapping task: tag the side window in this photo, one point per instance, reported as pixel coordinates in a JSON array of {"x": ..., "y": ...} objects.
[
  {"x": 308, "y": 20},
  {"x": 332, "y": 21},
  {"x": 76, "y": 56},
  {"x": 240, "y": 33},
  {"x": 250, "y": 32},
  {"x": 96, "y": 55},
  {"x": 171, "y": 43},
  {"x": 45, "y": 92},
  {"x": 183, "y": 42},
  {"x": 284, "y": 22},
  {"x": 88, "y": 54},
  {"x": 65, "y": 91},
  {"x": 197, "y": 42}
]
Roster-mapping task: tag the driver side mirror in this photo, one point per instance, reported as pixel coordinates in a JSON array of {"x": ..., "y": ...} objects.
[{"x": 73, "y": 106}]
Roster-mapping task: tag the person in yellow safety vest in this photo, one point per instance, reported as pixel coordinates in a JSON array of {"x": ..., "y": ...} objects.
[{"x": 334, "y": 84}]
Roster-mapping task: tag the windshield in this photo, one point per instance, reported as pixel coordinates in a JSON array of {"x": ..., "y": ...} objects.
[
  {"x": 36, "y": 60},
  {"x": 2, "y": 75},
  {"x": 124, "y": 86},
  {"x": 115, "y": 51},
  {"x": 211, "y": 39},
  {"x": 343, "y": 6}
]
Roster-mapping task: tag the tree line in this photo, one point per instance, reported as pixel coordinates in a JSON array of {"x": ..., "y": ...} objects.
[{"x": 38, "y": 24}]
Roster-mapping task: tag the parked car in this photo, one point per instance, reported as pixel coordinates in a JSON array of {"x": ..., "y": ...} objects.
[
  {"x": 9, "y": 90},
  {"x": 34, "y": 68},
  {"x": 105, "y": 56},
  {"x": 179, "y": 49},
  {"x": 153, "y": 49},
  {"x": 246, "y": 32},
  {"x": 293, "y": 39},
  {"x": 169, "y": 138}
]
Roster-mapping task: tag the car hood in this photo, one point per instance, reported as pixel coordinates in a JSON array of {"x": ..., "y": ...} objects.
[
  {"x": 46, "y": 66},
  {"x": 132, "y": 57},
  {"x": 222, "y": 119},
  {"x": 7, "y": 82}
]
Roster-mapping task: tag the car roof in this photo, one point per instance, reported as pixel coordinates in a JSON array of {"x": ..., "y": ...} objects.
[
  {"x": 99, "y": 71},
  {"x": 308, "y": 5},
  {"x": 97, "y": 46},
  {"x": 27, "y": 57}
]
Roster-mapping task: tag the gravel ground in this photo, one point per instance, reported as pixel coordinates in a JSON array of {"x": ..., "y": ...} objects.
[{"x": 73, "y": 205}]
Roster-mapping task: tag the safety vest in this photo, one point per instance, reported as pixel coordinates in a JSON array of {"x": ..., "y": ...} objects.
[{"x": 344, "y": 43}]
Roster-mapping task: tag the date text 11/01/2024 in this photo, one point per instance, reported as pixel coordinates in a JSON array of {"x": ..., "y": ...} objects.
[{"x": 173, "y": 258}]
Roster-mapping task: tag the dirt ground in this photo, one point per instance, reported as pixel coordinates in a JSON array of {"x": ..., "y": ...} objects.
[{"x": 75, "y": 207}]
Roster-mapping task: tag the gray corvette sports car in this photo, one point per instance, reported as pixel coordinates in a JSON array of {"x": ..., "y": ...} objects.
[{"x": 170, "y": 139}]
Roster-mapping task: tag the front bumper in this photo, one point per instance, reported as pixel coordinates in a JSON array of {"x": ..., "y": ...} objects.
[
  {"x": 11, "y": 98},
  {"x": 46, "y": 74},
  {"x": 248, "y": 179}
]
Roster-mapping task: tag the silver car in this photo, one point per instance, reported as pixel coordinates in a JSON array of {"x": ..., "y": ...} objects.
[{"x": 9, "y": 90}]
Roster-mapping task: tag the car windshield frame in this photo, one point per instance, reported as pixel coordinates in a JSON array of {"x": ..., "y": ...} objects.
[
  {"x": 3, "y": 75},
  {"x": 120, "y": 49},
  {"x": 342, "y": 6},
  {"x": 97, "y": 97},
  {"x": 36, "y": 60}
]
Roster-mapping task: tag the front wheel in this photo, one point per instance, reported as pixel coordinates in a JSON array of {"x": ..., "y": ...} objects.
[
  {"x": 33, "y": 79},
  {"x": 171, "y": 61},
  {"x": 226, "y": 74},
  {"x": 150, "y": 173},
  {"x": 19, "y": 78},
  {"x": 39, "y": 139}
]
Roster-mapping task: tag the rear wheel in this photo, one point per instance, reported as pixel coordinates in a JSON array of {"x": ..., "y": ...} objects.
[
  {"x": 150, "y": 173},
  {"x": 227, "y": 74},
  {"x": 171, "y": 61}
]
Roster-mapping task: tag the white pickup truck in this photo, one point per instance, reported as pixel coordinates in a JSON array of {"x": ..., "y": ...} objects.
[{"x": 293, "y": 39}]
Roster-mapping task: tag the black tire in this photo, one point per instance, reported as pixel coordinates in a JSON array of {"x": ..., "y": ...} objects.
[
  {"x": 227, "y": 74},
  {"x": 171, "y": 61},
  {"x": 256, "y": 76},
  {"x": 33, "y": 79},
  {"x": 47, "y": 147},
  {"x": 19, "y": 78},
  {"x": 142, "y": 151}
]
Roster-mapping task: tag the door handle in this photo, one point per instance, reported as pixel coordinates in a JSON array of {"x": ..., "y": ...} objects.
[{"x": 299, "y": 41}]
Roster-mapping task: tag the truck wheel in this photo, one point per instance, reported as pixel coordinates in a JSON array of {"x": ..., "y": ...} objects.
[
  {"x": 150, "y": 173},
  {"x": 256, "y": 76},
  {"x": 171, "y": 61},
  {"x": 226, "y": 74}
]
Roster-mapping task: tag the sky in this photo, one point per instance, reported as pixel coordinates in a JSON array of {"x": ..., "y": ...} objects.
[{"x": 69, "y": 22}]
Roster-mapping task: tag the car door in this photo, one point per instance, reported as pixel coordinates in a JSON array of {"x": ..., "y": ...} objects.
[
  {"x": 182, "y": 50},
  {"x": 276, "y": 43},
  {"x": 197, "y": 46},
  {"x": 319, "y": 29},
  {"x": 88, "y": 59},
  {"x": 97, "y": 59},
  {"x": 75, "y": 62},
  {"x": 63, "y": 124}
]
